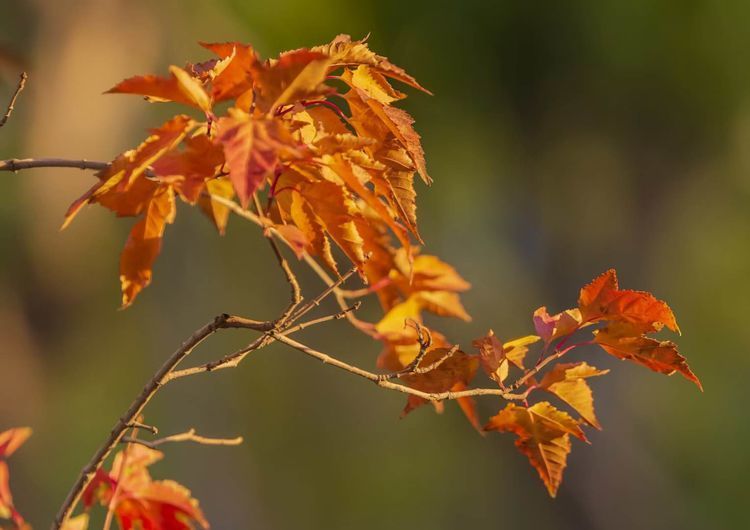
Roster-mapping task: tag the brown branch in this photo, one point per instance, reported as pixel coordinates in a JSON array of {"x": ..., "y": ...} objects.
[
  {"x": 187, "y": 436},
  {"x": 531, "y": 372},
  {"x": 16, "y": 164},
  {"x": 139, "y": 425},
  {"x": 383, "y": 383},
  {"x": 315, "y": 302},
  {"x": 233, "y": 360},
  {"x": 140, "y": 402},
  {"x": 413, "y": 367},
  {"x": 296, "y": 294},
  {"x": 12, "y": 104}
]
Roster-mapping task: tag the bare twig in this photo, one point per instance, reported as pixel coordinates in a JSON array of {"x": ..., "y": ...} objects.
[
  {"x": 413, "y": 367},
  {"x": 139, "y": 425},
  {"x": 315, "y": 302},
  {"x": 12, "y": 104},
  {"x": 528, "y": 374},
  {"x": 375, "y": 378},
  {"x": 187, "y": 436},
  {"x": 16, "y": 164},
  {"x": 296, "y": 294}
]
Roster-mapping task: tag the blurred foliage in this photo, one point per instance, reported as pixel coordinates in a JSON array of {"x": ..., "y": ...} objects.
[{"x": 564, "y": 138}]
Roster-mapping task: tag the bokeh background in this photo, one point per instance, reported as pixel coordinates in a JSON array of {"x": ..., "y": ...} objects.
[{"x": 564, "y": 138}]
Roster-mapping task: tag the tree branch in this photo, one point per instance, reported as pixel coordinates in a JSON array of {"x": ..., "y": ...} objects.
[
  {"x": 140, "y": 402},
  {"x": 16, "y": 164},
  {"x": 12, "y": 104},
  {"x": 384, "y": 383},
  {"x": 187, "y": 436}
]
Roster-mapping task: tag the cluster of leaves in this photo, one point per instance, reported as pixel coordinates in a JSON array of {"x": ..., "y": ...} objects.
[
  {"x": 136, "y": 500},
  {"x": 311, "y": 140},
  {"x": 625, "y": 319},
  {"x": 127, "y": 491}
]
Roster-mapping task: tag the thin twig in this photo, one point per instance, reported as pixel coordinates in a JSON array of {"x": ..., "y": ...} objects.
[
  {"x": 16, "y": 164},
  {"x": 139, "y": 425},
  {"x": 232, "y": 360},
  {"x": 296, "y": 291},
  {"x": 375, "y": 378},
  {"x": 12, "y": 104},
  {"x": 413, "y": 367},
  {"x": 528, "y": 374},
  {"x": 315, "y": 302},
  {"x": 187, "y": 436}
]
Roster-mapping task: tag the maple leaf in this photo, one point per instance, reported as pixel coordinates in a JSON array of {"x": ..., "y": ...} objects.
[
  {"x": 543, "y": 436},
  {"x": 180, "y": 87},
  {"x": 144, "y": 244},
  {"x": 568, "y": 382},
  {"x": 234, "y": 75},
  {"x": 373, "y": 118},
  {"x": 120, "y": 187},
  {"x": 630, "y": 316},
  {"x": 296, "y": 75},
  {"x": 346, "y": 52},
  {"x": 10, "y": 441},
  {"x": 556, "y": 326},
  {"x": 254, "y": 149},
  {"x": 497, "y": 357},
  {"x": 189, "y": 169},
  {"x": 603, "y": 300},
  {"x": 658, "y": 355},
  {"x": 138, "y": 501}
]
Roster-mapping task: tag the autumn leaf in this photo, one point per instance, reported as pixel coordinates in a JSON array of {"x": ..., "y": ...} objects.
[
  {"x": 346, "y": 52},
  {"x": 121, "y": 187},
  {"x": 236, "y": 75},
  {"x": 658, "y": 355},
  {"x": 603, "y": 300},
  {"x": 556, "y": 326},
  {"x": 190, "y": 169},
  {"x": 144, "y": 244},
  {"x": 543, "y": 436},
  {"x": 497, "y": 357},
  {"x": 568, "y": 382},
  {"x": 138, "y": 501},
  {"x": 254, "y": 149},
  {"x": 180, "y": 87},
  {"x": 10, "y": 441},
  {"x": 295, "y": 76}
]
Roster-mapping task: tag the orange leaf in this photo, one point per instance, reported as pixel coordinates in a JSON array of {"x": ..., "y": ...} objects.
[
  {"x": 216, "y": 211},
  {"x": 660, "y": 356},
  {"x": 567, "y": 381},
  {"x": 144, "y": 244},
  {"x": 295, "y": 76},
  {"x": 553, "y": 327},
  {"x": 180, "y": 87},
  {"x": 140, "y": 502},
  {"x": 10, "y": 441},
  {"x": 120, "y": 187},
  {"x": 253, "y": 149},
  {"x": 603, "y": 300},
  {"x": 345, "y": 52},
  {"x": 543, "y": 436}
]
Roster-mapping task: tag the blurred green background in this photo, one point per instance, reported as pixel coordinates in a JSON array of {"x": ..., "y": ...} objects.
[{"x": 564, "y": 138}]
